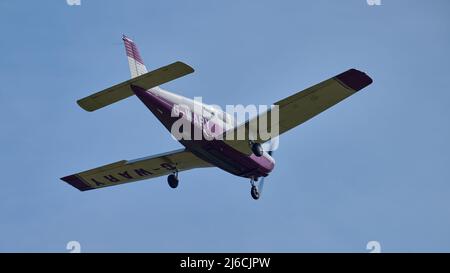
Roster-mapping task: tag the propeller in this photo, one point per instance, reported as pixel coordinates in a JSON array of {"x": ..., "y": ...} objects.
[{"x": 270, "y": 147}]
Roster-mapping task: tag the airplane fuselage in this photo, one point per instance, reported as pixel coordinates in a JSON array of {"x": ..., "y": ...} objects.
[{"x": 215, "y": 151}]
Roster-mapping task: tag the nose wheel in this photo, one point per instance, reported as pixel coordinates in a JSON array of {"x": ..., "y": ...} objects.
[{"x": 254, "y": 190}]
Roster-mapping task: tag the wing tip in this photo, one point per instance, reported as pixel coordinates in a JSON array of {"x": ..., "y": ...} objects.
[
  {"x": 354, "y": 79},
  {"x": 76, "y": 182},
  {"x": 85, "y": 105},
  {"x": 184, "y": 66}
]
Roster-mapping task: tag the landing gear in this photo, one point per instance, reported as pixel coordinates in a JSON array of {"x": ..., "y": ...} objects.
[
  {"x": 254, "y": 190},
  {"x": 257, "y": 149},
  {"x": 173, "y": 180}
]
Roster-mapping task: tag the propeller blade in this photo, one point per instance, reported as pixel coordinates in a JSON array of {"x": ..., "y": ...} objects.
[
  {"x": 261, "y": 185},
  {"x": 273, "y": 145}
]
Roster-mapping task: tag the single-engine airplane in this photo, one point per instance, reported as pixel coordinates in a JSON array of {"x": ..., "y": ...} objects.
[{"x": 244, "y": 157}]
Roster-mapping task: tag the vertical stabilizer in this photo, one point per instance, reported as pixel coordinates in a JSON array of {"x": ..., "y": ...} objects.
[{"x": 137, "y": 66}]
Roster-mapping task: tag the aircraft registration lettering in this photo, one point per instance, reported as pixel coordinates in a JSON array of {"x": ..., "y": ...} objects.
[{"x": 125, "y": 175}]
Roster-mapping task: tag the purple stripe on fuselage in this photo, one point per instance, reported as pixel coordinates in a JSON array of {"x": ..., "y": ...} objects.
[{"x": 216, "y": 152}]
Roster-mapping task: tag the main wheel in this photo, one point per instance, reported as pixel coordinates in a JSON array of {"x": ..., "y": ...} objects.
[
  {"x": 255, "y": 193},
  {"x": 257, "y": 149},
  {"x": 173, "y": 181}
]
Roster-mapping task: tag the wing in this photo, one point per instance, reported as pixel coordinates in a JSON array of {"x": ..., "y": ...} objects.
[
  {"x": 129, "y": 171},
  {"x": 300, "y": 107}
]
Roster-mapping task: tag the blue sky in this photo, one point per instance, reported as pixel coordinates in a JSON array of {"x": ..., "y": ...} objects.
[{"x": 374, "y": 167}]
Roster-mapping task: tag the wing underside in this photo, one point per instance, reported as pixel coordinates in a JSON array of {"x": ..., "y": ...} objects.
[
  {"x": 300, "y": 107},
  {"x": 134, "y": 170}
]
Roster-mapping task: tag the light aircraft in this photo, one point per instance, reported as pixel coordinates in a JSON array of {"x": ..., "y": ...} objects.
[{"x": 242, "y": 157}]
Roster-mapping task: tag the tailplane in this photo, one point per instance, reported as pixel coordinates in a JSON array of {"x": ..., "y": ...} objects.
[
  {"x": 139, "y": 77},
  {"x": 123, "y": 90},
  {"x": 137, "y": 66}
]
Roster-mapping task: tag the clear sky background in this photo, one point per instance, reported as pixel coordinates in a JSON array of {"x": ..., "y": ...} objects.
[{"x": 374, "y": 167}]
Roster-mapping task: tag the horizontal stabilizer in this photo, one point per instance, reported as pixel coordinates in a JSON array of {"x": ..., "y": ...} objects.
[{"x": 123, "y": 90}]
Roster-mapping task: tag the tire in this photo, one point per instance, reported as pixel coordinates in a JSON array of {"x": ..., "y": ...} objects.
[
  {"x": 257, "y": 149},
  {"x": 173, "y": 181},
  {"x": 255, "y": 193}
]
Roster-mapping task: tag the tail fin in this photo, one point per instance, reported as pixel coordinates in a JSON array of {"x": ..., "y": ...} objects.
[{"x": 137, "y": 66}]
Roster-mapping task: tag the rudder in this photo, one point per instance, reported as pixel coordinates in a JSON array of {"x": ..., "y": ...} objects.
[{"x": 135, "y": 62}]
